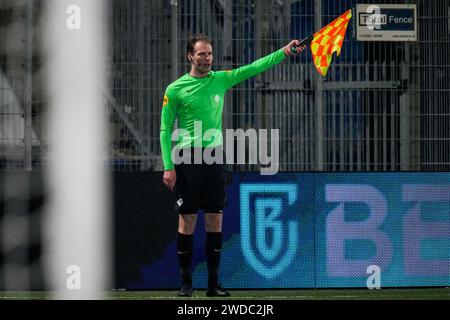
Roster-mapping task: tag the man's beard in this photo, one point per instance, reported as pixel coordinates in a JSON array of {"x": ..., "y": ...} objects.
[{"x": 203, "y": 69}]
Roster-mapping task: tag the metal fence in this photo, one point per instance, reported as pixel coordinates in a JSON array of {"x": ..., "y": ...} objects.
[{"x": 383, "y": 106}]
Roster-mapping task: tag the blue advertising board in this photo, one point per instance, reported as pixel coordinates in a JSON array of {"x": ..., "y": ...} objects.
[{"x": 325, "y": 230}]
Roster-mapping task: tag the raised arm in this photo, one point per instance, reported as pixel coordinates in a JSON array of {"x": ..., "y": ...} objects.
[{"x": 236, "y": 76}]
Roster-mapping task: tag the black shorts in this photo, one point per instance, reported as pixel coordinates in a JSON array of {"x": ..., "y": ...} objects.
[{"x": 200, "y": 187}]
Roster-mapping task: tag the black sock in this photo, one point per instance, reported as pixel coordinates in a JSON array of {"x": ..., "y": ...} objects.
[
  {"x": 184, "y": 246},
  {"x": 213, "y": 252}
]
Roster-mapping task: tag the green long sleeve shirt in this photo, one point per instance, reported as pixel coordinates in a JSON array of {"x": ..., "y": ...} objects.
[{"x": 197, "y": 103}]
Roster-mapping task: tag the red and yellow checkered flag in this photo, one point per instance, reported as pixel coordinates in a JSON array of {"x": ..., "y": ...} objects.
[{"x": 328, "y": 40}]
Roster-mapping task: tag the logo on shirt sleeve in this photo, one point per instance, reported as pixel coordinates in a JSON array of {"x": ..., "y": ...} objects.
[{"x": 165, "y": 100}]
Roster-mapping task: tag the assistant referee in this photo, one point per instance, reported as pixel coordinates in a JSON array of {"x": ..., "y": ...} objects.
[{"x": 198, "y": 97}]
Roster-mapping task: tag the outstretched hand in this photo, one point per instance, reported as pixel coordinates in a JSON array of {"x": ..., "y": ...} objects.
[{"x": 293, "y": 44}]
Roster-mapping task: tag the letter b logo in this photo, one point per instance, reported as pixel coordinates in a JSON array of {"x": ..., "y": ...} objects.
[{"x": 262, "y": 224}]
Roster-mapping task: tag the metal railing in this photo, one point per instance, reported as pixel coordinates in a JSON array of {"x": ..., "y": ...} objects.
[{"x": 384, "y": 106}]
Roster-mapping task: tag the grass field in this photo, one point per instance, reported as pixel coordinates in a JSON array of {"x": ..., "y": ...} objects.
[{"x": 317, "y": 294}]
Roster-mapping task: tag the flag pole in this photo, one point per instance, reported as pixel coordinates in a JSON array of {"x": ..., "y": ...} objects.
[{"x": 304, "y": 42}]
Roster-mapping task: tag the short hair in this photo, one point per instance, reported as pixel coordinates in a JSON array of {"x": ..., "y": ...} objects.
[{"x": 193, "y": 39}]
